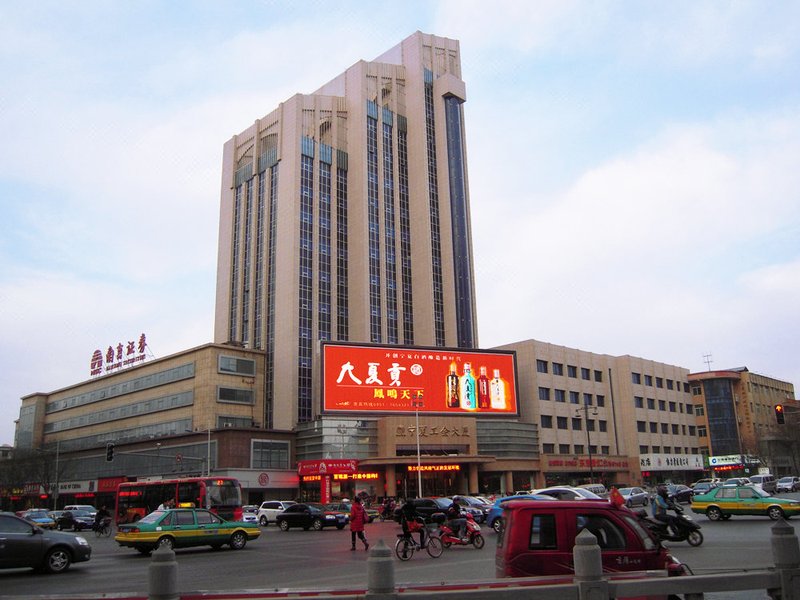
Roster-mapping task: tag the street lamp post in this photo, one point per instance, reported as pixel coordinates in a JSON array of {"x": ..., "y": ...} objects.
[
  {"x": 585, "y": 410},
  {"x": 417, "y": 404},
  {"x": 208, "y": 452}
]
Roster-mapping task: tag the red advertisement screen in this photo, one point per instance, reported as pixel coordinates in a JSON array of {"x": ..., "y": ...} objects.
[{"x": 401, "y": 379}]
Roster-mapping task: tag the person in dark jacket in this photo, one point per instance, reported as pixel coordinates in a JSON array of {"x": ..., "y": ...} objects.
[
  {"x": 409, "y": 522},
  {"x": 358, "y": 516}
]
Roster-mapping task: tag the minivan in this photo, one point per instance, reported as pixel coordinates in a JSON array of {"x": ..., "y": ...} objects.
[
  {"x": 765, "y": 481},
  {"x": 538, "y": 539}
]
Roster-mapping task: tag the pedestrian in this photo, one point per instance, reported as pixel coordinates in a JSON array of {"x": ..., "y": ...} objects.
[{"x": 358, "y": 516}]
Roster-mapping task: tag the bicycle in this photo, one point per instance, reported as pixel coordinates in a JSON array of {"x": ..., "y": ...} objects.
[
  {"x": 102, "y": 529},
  {"x": 406, "y": 544}
]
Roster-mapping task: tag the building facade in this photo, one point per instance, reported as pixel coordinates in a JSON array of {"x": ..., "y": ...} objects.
[{"x": 737, "y": 422}]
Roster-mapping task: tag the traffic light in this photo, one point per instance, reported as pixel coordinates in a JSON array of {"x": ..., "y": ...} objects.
[
  {"x": 779, "y": 414},
  {"x": 109, "y": 452}
]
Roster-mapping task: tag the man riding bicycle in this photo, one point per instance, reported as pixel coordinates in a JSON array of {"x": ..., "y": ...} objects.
[{"x": 102, "y": 518}]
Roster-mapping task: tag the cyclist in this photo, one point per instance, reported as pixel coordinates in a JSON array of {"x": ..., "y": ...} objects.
[
  {"x": 408, "y": 520},
  {"x": 102, "y": 518}
]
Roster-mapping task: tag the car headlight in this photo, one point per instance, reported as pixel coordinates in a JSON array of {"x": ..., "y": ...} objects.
[
  {"x": 81, "y": 540},
  {"x": 329, "y": 517}
]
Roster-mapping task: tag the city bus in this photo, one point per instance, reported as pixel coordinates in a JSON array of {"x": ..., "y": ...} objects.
[{"x": 222, "y": 495}]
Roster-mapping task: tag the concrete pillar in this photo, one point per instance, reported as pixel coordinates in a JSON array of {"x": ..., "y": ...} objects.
[
  {"x": 380, "y": 572},
  {"x": 391, "y": 480},
  {"x": 162, "y": 575},
  {"x": 509, "y": 481},
  {"x": 786, "y": 554},
  {"x": 473, "y": 479},
  {"x": 589, "y": 568}
]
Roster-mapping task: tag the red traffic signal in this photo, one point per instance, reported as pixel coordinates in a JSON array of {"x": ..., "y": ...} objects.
[{"x": 779, "y": 414}]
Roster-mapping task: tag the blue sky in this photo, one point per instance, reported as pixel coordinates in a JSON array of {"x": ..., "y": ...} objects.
[{"x": 633, "y": 169}]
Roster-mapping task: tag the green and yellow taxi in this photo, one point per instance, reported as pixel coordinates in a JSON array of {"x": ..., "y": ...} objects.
[
  {"x": 184, "y": 527},
  {"x": 723, "y": 502}
]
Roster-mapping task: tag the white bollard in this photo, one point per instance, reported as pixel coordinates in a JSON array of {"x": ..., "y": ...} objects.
[
  {"x": 162, "y": 575},
  {"x": 380, "y": 570}
]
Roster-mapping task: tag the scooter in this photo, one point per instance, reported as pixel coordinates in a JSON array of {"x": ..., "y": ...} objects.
[
  {"x": 473, "y": 535},
  {"x": 687, "y": 530}
]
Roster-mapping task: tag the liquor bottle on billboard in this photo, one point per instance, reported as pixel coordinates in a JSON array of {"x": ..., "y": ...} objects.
[
  {"x": 452, "y": 388},
  {"x": 498, "y": 391},
  {"x": 483, "y": 389},
  {"x": 467, "y": 389}
]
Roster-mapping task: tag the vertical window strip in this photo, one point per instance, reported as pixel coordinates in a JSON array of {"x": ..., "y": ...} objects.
[
  {"x": 258, "y": 288},
  {"x": 405, "y": 237},
  {"x": 248, "y": 219},
  {"x": 342, "y": 291},
  {"x": 269, "y": 368},
  {"x": 305, "y": 288},
  {"x": 390, "y": 254},
  {"x": 237, "y": 215},
  {"x": 373, "y": 224},
  {"x": 462, "y": 258},
  {"x": 324, "y": 253},
  {"x": 433, "y": 197}
]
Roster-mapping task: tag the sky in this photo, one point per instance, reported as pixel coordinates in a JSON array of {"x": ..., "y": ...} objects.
[{"x": 633, "y": 168}]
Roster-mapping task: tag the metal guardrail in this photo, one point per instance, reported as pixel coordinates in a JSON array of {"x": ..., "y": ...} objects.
[{"x": 781, "y": 582}]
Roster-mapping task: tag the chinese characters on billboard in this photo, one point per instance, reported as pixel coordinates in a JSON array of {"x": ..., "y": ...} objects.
[
  {"x": 117, "y": 357},
  {"x": 400, "y": 379}
]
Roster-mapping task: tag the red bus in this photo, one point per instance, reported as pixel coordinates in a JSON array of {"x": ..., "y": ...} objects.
[{"x": 222, "y": 495}]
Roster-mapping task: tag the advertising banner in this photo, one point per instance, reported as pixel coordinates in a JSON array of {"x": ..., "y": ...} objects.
[{"x": 396, "y": 379}]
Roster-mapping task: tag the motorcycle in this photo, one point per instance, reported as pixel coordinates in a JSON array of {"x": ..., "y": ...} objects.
[
  {"x": 387, "y": 511},
  {"x": 686, "y": 530},
  {"x": 473, "y": 534}
]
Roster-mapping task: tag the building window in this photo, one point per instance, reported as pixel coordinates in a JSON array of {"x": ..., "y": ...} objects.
[
  {"x": 656, "y": 449},
  {"x": 651, "y": 403},
  {"x": 236, "y": 366},
  {"x": 659, "y": 382},
  {"x": 547, "y": 421},
  {"x": 672, "y": 407},
  {"x": 643, "y": 449},
  {"x": 636, "y": 378},
  {"x": 544, "y": 393},
  {"x": 653, "y": 427},
  {"x": 572, "y": 371},
  {"x": 603, "y": 425},
  {"x": 662, "y": 405},
  {"x": 574, "y": 398},
  {"x": 605, "y": 450},
  {"x": 558, "y": 369},
  {"x": 563, "y": 448},
  {"x": 587, "y": 399},
  {"x": 235, "y": 396},
  {"x": 641, "y": 427},
  {"x": 702, "y": 432},
  {"x": 638, "y": 402},
  {"x": 578, "y": 448},
  {"x": 648, "y": 380},
  {"x": 664, "y": 428},
  {"x": 560, "y": 396},
  {"x": 675, "y": 429},
  {"x": 541, "y": 366},
  {"x": 548, "y": 448},
  {"x": 598, "y": 376},
  {"x": 699, "y": 409},
  {"x": 692, "y": 430},
  {"x": 585, "y": 373},
  {"x": 590, "y": 425},
  {"x": 697, "y": 390},
  {"x": 601, "y": 400},
  {"x": 576, "y": 424},
  {"x": 269, "y": 455},
  {"x": 670, "y": 384},
  {"x": 561, "y": 422}
]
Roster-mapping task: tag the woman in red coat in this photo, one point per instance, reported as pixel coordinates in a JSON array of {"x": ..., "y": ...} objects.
[{"x": 358, "y": 516}]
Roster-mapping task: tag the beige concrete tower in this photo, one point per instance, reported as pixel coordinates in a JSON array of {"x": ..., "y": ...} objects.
[{"x": 345, "y": 216}]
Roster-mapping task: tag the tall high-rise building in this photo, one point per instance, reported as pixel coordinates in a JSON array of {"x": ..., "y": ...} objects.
[{"x": 345, "y": 217}]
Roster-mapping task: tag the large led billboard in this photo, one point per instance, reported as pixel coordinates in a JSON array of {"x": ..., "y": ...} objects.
[{"x": 394, "y": 379}]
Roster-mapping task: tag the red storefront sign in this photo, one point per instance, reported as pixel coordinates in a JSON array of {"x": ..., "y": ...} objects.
[
  {"x": 327, "y": 466},
  {"x": 109, "y": 484}
]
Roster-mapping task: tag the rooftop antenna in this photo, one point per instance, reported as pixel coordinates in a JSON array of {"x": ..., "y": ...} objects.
[{"x": 707, "y": 360}]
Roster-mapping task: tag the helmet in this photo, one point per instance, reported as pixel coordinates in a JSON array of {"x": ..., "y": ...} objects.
[{"x": 663, "y": 491}]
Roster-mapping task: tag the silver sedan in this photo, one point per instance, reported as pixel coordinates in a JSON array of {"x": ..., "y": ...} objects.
[{"x": 634, "y": 496}]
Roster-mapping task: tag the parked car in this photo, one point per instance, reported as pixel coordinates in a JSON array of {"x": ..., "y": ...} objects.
[
  {"x": 23, "y": 544},
  {"x": 714, "y": 480},
  {"x": 727, "y": 500},
  {"x": 567, "y": 493},
  {"x": 343, "y": 507},
  {"x": 76, "y": 520},
  {"x": 425, "y": 507},
  {"x": 787, "y": 484},
  {"x": 596, "y": 488},
  {"x": 182, "y": 528},
  {"x": 634, "y": 496},
  {"x": 494, "y": 518},
  {"x": 478, "y": 508},
  {"x": 766, "y": 482},
  {"x": 250, "y": 513},
  {"x": 270, "y": 509},
  {"x": 539, "y": 537},
  {"x": 682, "y": 494},
  {"x": 310, "y": 515},
  {"x": 40, "y": 517},
  {"x": 703, "y": 487},
  {"x": 736, "y": 481}
]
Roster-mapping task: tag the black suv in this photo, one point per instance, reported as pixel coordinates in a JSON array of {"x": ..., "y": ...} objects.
[{"x": 425, "y": 507}]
